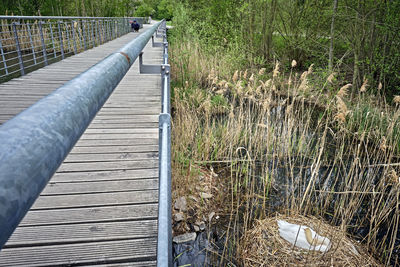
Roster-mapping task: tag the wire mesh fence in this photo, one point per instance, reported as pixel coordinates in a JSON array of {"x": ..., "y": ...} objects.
[{"x": 29, "y": 43}]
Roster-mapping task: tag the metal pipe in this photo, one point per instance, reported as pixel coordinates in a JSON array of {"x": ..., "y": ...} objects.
[
  {"x": 58, "y": 17},
  {"x": 73, "y": 36},
  {"x": 68, "y": 41},
  {"x": 35, "y": 142},
  {"x": 61, "y": 39},
  {"x": 164, "y": 242},
  {"x": 52, "y": 40},
  {"x": 21, "y": 62},
  {"x": 92, "y": 30},
  {"x": 43, "y": 44},
  {"x": 3, "y": 57},
  {"x": 83, "y": 34},
  {"x": 31, "y": 41}
]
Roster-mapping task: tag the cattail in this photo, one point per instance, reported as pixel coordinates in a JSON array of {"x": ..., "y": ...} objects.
[
  {"x": 75, "y": 24},
  {"x": 186, "y": 84},
  {"x": 276, "y": 72},
  {"x": 245, "y": 74},
  {"x": 220, "y": 91},
  {"x": 344, "y": 91},
  {"x": 396, "y": 99},
  {"x": 294, "y": 63},
  {"x": 331, "y": 77},
  {"x": 364, "y": 86},
  {"x": 380, "y": 86},
  {"x": 235, "y": 76},
  {"x": 262, "y": 71}
]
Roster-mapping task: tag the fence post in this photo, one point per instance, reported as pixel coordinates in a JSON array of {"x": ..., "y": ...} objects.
[
  {"x": 98, "y": 32},
  {"x": 93, "y": 40},
  {"x": 61, "y": 39},
  {"x": 21, "y": 63},
  {"x": 31, "y": 41},
  {"x": 73, "y": 36},
  {"x": 83, "y": 34},
  {"x": 52, "y": 40},
  {"x": 43, "y": 43},
  {"x": 3, "y": 57},
  {"x": 68, "y": 41}
]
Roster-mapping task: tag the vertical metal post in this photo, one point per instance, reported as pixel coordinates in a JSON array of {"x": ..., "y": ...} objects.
[
  {"x": 165, "y": 53},
  {"x": 61, "y": 39},
  {"x": 43, "y": 43},
  {"x": 102, "y": 31},
  {"x": 52, "y": 40},
  {"x": 31, "y": 41},
  {"x": 83, "y": 34},
  {"x": 165, "y": 74},
  {"x": 73, "y": 36},
  {"x": 109, "y": 31},
  {"x": 68, "y": 41},
  {"x": 98, "y": 32},
  {"x": 93, "y": 40},
  {"x": 3, "y": 57},
  {"x": 21, "y": 63}
]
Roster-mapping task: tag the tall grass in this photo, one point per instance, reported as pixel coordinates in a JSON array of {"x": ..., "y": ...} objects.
[{"x": 289, "y": 145}]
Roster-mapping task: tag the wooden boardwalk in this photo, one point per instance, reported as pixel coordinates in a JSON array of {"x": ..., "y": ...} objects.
[{"x": 101, "y": 205}]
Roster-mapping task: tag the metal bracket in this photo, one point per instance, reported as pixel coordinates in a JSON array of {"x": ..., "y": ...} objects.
[
  {"x": 148, "y": 69},
  {"x": 156, "y": 44}
]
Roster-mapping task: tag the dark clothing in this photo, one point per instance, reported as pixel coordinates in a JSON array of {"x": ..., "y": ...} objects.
[{"x": 135, "y": 26}]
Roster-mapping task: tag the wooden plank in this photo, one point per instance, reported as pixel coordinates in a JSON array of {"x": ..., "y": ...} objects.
[
  {"x": 95, "y": 200},
  {"x": 73, "y": 254},
  {"x": 54, "y": 188},
  {"x": 102, "y": 157},
  {"x": 114, "y": 149},
  {"x": 83, "y": 232},
  {"x": 69, "y": 177},
  {"x": 119, "y": 142},
  {"x": 111, "y": 136},
  {"x": 92, "y": 214},
  {"x": 107, "y": 166}
]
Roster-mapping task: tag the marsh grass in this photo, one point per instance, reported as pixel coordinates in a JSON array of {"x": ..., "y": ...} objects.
[{"x": 284, "y": 139}]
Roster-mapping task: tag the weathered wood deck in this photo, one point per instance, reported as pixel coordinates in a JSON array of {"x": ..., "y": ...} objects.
[{"x": 101, "y": 205}]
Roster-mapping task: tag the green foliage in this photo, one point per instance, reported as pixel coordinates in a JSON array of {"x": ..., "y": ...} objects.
[{"x": 144, "y": 10}]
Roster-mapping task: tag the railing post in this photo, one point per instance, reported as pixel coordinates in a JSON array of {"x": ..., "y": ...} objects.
[
  {"x": 52, "y": 40},
  {"x": 21, "y": 63},
  {"x": 98, "y": 32},
  {"x": 68, "y": 41},
  {"x": 93, "y": 39},
  {"x": 73, "y": 36},
  {"x": 83, "y": 34},
  {"x": 61, "y": 39},
  {"x": 31, "y": 42},
  {"x": 43, "y": 43},
  {"x": 3, "y": 57}
]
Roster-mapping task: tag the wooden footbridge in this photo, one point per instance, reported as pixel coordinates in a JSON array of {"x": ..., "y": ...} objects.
[{"x": 101, "y": 205}]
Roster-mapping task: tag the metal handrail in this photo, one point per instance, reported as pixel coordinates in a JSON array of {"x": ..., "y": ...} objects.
[
  {"x": 36, "y": 41},
  {"x": 35, "y": 142},
  {"x": 164, "y": 240}
]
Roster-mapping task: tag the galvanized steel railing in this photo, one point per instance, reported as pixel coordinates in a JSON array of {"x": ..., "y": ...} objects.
[
  {"x": 30, "y": 42},
  {"x": 35, "y": 142}
]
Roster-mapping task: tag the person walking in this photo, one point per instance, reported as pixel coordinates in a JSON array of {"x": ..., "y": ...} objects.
[{"x": 135, "y": 26}]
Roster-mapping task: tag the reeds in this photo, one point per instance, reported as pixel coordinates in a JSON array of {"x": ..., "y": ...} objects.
[{"x": 289, "y": 148}]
